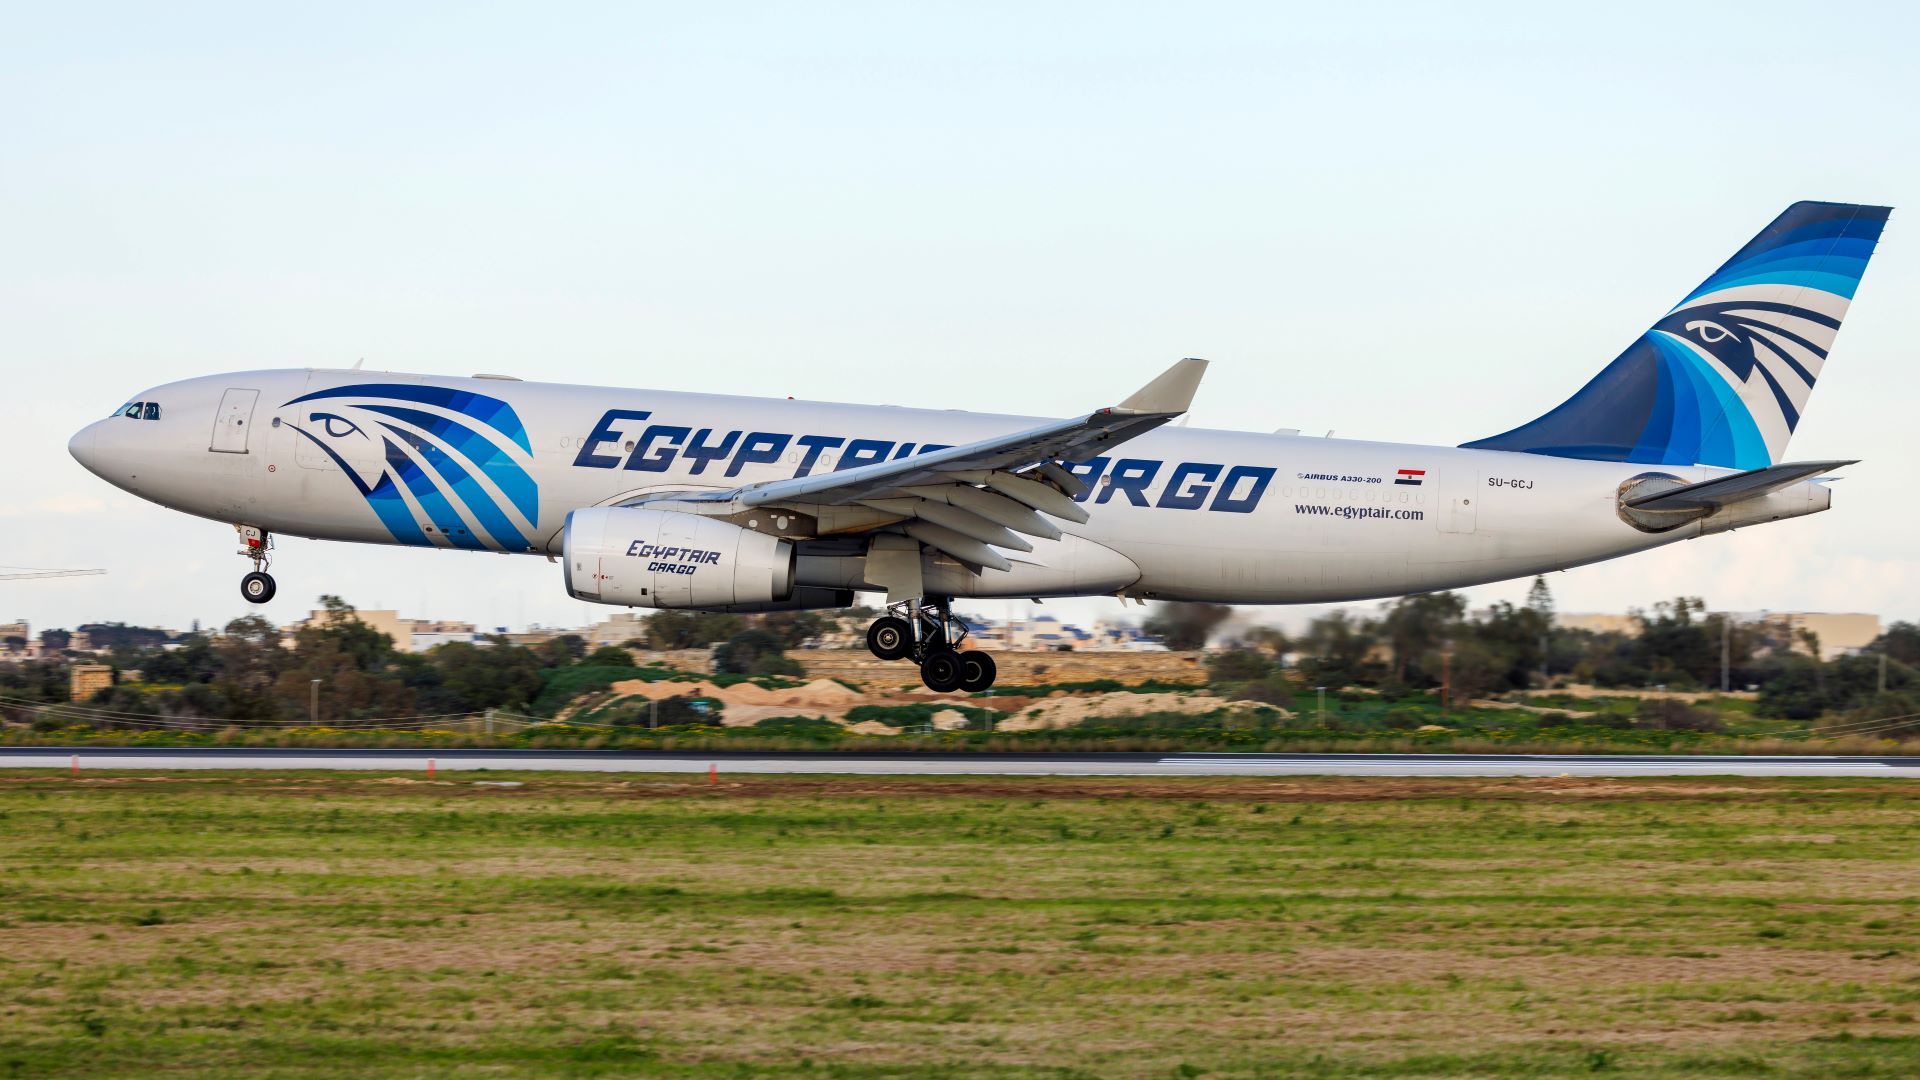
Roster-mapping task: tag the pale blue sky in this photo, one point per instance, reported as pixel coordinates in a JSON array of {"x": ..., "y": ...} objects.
[{"x": 1402, "y": 222}]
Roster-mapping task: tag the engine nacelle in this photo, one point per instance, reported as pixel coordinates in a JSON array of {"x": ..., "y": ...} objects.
[{"x": 663, "y": 559}]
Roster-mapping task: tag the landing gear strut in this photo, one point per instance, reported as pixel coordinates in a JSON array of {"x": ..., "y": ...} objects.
[
  {"x": 256, "y": 544},
  {"x": 927, "y": 634}
]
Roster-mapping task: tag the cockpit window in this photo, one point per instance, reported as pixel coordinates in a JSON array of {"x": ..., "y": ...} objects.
[
  {"x": 133, "y": 410},
  {"x": 153, "y": 410}
]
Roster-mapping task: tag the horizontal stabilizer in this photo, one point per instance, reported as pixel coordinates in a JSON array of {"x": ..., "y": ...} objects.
[{"x": 1711, "y": 495}]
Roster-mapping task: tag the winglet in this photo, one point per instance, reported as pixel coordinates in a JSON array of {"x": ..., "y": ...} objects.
[{"x": 1171, "y": 393}]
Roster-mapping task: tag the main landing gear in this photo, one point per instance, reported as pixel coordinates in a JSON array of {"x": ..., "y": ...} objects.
[
  {"x": 927, "y": 634},
  {"x": 256, "y": 544}
]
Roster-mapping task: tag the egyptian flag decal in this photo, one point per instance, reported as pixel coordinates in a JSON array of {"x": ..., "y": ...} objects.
[{"x": 1415, "y": 477}]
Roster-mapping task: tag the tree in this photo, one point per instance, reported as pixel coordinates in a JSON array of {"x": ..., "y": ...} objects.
[
  {"x": 562, "y": 651},
  {"x": 1540, "y": 599},
  {"x": 690, "y": 629},
  {"x": 1339, "y": 648},
  {"x": 608, "y": 656},
  {"x": 1238, "y": 665},
  {"x": 1416, "y": 626},
  {"x": 1272, "y": 641},
  {"x": 793, "y": 628},
  {"x": 356, "y": 665},
  {"x": 55, "y": 640},
  {"x": 1901, "y": 642},
  {"x": 473, "y": 677},
  {"x": 249, "y": 659},
  {"x": 1675, "y": 646},
  {"x": 193, "y": 662},
  {"x": 104, "y": 636},
  {"x": 753, "y": 652},
  {"x": 1183, "y": 627}
]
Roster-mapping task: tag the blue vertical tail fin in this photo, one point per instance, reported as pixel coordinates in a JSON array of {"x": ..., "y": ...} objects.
[{"x": 1724, "y": 377}]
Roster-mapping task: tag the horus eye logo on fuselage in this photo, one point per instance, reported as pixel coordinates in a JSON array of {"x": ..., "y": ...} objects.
[{"x": 437, "y": 466}]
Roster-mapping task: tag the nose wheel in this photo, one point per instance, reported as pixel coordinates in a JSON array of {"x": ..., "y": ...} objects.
[
  {"x": 928, "y": 634},
  {"x": 257, "y": 544},
  {"x": 257, "y": 587}
]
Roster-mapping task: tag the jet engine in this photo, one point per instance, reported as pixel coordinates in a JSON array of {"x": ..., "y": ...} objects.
[{"x": 665, "y": 559}]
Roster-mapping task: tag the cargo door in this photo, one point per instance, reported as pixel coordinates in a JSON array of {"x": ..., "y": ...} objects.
[{"x": 231, "y": 423}]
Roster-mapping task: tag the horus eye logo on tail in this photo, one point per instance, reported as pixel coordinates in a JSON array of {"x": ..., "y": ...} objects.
[
  {"x": 438, "y": 466},
  {"x": 1724, "y": 377}
]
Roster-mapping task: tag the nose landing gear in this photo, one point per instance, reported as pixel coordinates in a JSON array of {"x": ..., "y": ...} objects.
[
  {"x": 256, "y": 544},
  {"x": 927, "y": 634}
]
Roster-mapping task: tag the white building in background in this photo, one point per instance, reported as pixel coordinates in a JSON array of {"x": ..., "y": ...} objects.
[{"x": 430, "y": 632}]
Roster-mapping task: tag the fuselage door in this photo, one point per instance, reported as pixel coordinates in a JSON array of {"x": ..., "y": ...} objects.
[
  {"x": 230, "y": 425},
  {"x": 1458, "y": 489}
]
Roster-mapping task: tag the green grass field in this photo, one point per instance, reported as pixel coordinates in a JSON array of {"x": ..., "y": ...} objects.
[{"x": 321, "y": 925}]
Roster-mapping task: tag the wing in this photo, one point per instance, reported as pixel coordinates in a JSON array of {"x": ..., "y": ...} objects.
[{"x": 967, "y": 500}]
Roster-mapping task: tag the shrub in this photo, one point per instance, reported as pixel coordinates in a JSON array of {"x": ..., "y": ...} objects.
[
  {"x": 741, "y": 652},
  {"x": 804, "y": 727},
  {"x": 1238, "y": 665},
  {"x": 1668, "y": 714},
  {"x": 1272, "y": 690},
  {"x": 608, "y": 656},
  {"x": 679, "y": 711}
]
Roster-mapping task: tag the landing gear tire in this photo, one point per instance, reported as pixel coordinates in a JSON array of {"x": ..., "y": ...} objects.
[
  {"x": 977, "y": 671},
  {"x": 890, "y": 638},
  {"x": 257, "y": 587},
  {"x": 942, "y": 670}
]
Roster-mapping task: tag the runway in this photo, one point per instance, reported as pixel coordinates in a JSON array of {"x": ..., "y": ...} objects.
[{"x": 881, "y": 764}]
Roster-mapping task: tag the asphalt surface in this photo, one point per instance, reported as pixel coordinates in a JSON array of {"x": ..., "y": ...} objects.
[{"x": 881, "y": 764}]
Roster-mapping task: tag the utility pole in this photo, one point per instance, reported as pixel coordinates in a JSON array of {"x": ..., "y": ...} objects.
[
  {"x": 1727, "y": 652},
  {"x": 1883, "y": 671},
  {"x": 313, "y": 703},
  {"x": 1446, "y": 681},
  {"x": 489, "y": 721}
]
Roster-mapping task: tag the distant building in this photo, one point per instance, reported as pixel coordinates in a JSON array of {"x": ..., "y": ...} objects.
[
  {"x": 1597, "y": 623},
  {"x": 1838, "y": 633},
  {"x": 87, "y": 680},
  {"x": 616, "y": 629},
  {"x": 13, "y": 632},
  {"x": 426, "y": 633},
  {"x": 387, "y": 622}
]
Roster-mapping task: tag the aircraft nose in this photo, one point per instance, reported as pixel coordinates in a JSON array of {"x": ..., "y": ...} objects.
[{"x": 84, "y": 447}]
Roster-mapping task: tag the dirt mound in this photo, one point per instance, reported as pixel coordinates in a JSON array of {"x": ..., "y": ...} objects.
[
  {"x": 824, "y": 692},
  {"x": 1053, "y": 712}
]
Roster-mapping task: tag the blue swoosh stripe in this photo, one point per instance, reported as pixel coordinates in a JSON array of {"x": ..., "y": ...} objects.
[
  {"x": 432, "y": 502},
  {"x": 471, "y": 493},
  {"x": 513, "y": 480}
]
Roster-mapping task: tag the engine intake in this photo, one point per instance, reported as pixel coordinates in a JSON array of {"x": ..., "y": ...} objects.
[{"x": 664, "y": 559}]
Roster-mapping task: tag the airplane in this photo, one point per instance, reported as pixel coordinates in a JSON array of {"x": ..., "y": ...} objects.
[{"x": 662, "y": 500}]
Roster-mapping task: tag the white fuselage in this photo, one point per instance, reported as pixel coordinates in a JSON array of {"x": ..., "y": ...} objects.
[{"x": 1177, "y": 514}]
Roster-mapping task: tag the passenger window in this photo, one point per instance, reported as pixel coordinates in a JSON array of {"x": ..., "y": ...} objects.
[
  {"x": 133, "y": 410},
  {"x": 153, "y": 410}
]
